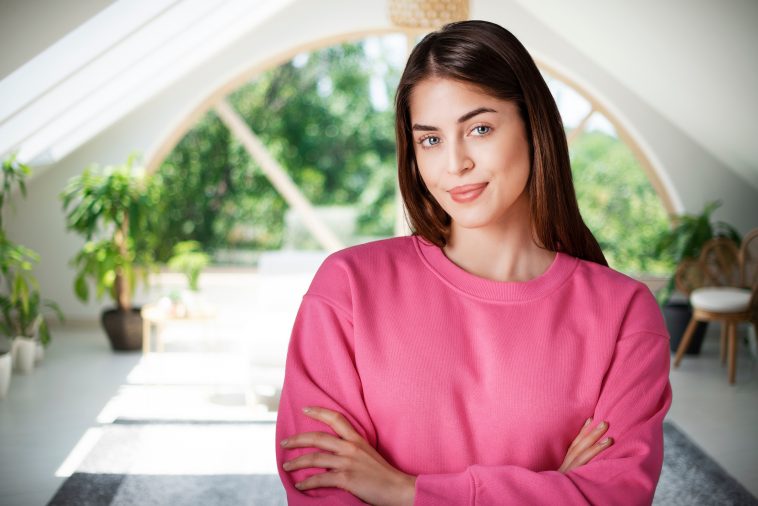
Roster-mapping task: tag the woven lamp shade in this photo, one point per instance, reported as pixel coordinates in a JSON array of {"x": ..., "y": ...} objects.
[{"x": 427, "y": 13}]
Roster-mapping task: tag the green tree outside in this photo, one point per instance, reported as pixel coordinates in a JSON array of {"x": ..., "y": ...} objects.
[
  {"x": 320, "y": 125},
  {"x": 618, "y": 203}
]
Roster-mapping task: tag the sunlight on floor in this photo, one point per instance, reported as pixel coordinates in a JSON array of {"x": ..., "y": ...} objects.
[
  {"x": 185, "y": 413},
  {"x": 82, "y": 448}
]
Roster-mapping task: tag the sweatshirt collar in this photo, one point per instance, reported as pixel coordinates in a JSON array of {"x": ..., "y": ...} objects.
[{"x": 434, "y": 257}]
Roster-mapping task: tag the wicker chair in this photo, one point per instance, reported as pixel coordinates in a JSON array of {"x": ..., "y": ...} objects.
[{"x": 722, "y": 285}]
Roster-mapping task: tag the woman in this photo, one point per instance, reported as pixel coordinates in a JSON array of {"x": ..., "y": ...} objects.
[{"x": 457, "y": 365}]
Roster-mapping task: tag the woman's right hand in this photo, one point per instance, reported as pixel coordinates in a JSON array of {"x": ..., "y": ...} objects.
[{"x": 585, "y": 446}]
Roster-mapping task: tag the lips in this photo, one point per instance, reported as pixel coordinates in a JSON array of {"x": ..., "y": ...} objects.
[{"x": 467, "y": 193}]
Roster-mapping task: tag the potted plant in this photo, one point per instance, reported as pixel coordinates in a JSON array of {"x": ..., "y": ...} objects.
[
  {"x": 111, "y": 209},
  {"x": 685, "y": 241},
  {"x": 21, "y": 305},
  {"x": 14, "y": 174},
  {"x": 23, "y": 320}
]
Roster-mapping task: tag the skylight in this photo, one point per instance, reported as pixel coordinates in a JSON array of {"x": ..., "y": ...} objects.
[{"x": 110, "y": 65}]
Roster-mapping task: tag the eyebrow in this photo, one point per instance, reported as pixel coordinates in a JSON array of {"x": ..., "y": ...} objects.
[{"x": 463, "y": 118}]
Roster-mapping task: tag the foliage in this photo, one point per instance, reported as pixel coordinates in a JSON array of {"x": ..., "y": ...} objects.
[
  {"x": 317, "y": 120},
  {"x": 190, "y": 260},
  {"x": 691, "y": 231},
  {"x": 15, "y": 257},
  {"x": 115, "y": 202},
  {"x": 14, "y": 174},
  {"x": 615, "y": 198},
  {"x": 22, "y": 309},
  {"x": 687, "y": 237},
  {"x": 21, "y": 305}
]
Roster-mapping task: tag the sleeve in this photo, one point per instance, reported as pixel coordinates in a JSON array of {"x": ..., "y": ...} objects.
[
  {"x": 320, "y": 371},
  {"x": 634, "y": 397}
]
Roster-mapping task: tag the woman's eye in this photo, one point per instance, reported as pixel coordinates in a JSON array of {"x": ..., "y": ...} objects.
[
  {"x": 481, "y": 129},
  {"x": 432, "y": 141}
]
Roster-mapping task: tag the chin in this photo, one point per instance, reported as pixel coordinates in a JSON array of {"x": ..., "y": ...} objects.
[{"x": 471, "y": 221}]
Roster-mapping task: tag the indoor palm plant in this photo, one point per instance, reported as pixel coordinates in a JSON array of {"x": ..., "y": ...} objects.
[
  {"x": 684, "y": 241},
  {"x": 111, "y": 209}
]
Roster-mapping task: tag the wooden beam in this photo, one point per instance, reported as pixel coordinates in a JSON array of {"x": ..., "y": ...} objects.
[
  {"x": 278, "y": 177},
  {"x": 578, "y": 129}
]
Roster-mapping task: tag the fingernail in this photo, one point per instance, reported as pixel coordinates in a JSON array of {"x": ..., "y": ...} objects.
[
  {"x": 602, "y": 425},
  {"x": 298, "y": 485},
  {"x": 286, "y": 466},
  {"x": 306, "y": 410},
  {"x": 284, "y": 442},
  {"x": 589, "y": 421},
  {"x": 605, "y": 441}
]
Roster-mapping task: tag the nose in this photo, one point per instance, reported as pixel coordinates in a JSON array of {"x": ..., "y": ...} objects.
[{"x": 460, "y": 159}]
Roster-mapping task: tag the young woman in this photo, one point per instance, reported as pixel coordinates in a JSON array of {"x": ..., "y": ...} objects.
[{"x": 456, "y": 366}]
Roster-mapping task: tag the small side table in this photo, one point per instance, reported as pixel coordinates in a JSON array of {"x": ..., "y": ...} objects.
[{"x": 156, "y": 316}]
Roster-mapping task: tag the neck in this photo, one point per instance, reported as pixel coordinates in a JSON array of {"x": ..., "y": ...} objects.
[{"x": 502, "y": 251}]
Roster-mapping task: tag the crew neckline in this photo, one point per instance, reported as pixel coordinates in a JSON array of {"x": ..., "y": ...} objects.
[{"x": 452, "y": 274}]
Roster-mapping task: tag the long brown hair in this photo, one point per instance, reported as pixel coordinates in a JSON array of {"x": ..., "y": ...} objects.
[{"x": 489, "y": 56}]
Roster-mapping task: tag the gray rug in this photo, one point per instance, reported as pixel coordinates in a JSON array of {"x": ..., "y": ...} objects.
[
  {"x": 86, "y": 489},
  {"x": 689, "y": 476}
]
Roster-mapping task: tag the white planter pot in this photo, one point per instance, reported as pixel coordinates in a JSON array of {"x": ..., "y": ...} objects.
[
  {"x": 39, "y": 352},
  {"x": 24, "y": 351},
  {"x": 6, "y": 364}
]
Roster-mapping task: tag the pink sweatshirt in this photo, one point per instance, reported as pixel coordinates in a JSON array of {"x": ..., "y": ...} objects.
[{"x": 477, "y": 386}]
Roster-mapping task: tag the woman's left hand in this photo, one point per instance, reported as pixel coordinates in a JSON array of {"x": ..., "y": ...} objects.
[{"x": 354, "y": 464}]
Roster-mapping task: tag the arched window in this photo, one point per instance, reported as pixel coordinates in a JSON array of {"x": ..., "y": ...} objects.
[{"x": 326, "y": 116}]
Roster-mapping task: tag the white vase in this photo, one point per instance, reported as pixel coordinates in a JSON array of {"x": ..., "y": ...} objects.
[
  {"x": 24, "y": 351},
  {"x": 39, "y": 352},
  {"x": 6, "y": 364}
]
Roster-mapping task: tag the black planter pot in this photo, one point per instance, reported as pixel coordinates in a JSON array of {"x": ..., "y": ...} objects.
[
  {"x": 124, "y": 328},
  {"x": 677, "y": 316}
]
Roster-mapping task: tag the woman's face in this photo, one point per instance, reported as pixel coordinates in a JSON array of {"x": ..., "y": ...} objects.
[{"x": 472, "y": 152}]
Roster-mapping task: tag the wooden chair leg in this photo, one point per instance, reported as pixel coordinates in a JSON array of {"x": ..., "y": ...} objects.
[
  {"x": 724, "y": 326},
  {"x": 732, "y": 352},
  {"x": 685, "y": 342}
]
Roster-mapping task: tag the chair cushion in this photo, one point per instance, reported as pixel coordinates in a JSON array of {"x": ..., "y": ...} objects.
[{"x": 721, "y": 299}]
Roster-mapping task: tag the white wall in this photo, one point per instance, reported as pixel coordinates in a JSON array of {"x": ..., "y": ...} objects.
[{"x": 692, "y": 174}]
